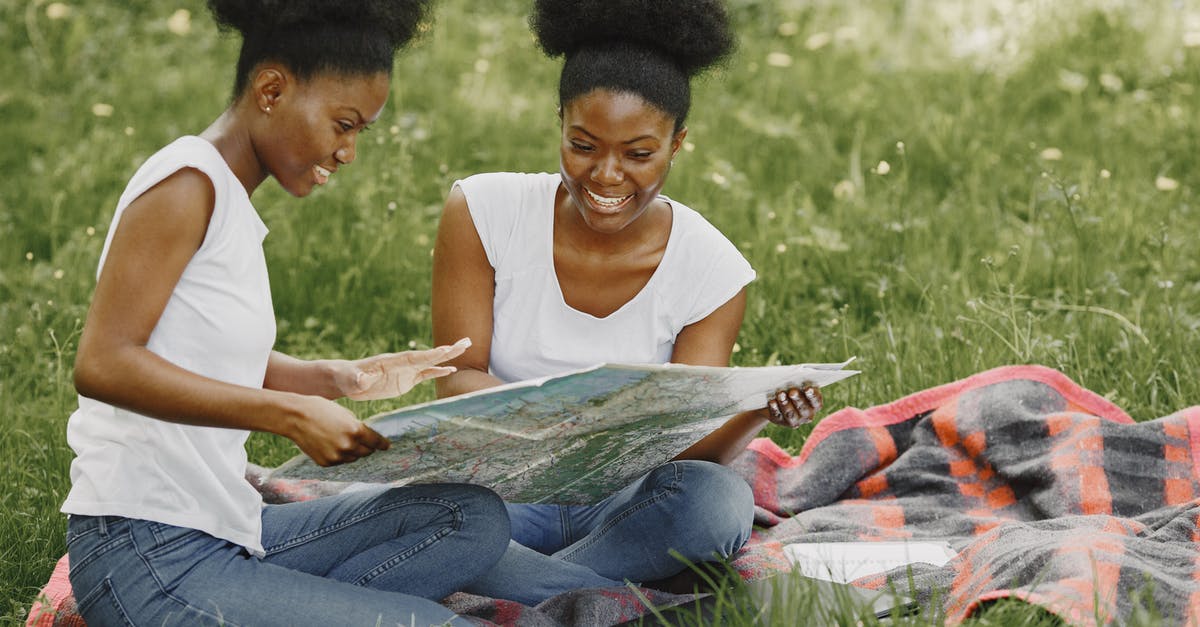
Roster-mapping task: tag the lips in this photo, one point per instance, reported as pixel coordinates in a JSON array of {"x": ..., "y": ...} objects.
[
  {"x": 322, "y": 174},
  {"x": 607, "y": 203}
]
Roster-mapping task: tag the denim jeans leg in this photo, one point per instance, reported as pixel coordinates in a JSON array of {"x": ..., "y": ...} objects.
[
  {"x": 135, "y": 572},
  {"x": 699, "y": 509},
  {"x": 424, "y": 540}
]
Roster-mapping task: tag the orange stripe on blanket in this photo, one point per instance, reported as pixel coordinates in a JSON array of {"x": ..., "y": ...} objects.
[
  {"x": 973, "y": 489},
  {"x": 1001, "y": 497},
  {"x": 975, "y": 443},
  {"x": 1178, "y": 491},
  {"x": 885, "y": 445},
  {"x": 872, "y": 485},
  {"x": 1058, "y": 423},
  {"x": 944, "y": 425},
  {"x": 888, "y": 516},
  {"x": 962, "y": 468},
  {"x": 1094, "y": 495},
  {"x": 1175, "y": 453}
]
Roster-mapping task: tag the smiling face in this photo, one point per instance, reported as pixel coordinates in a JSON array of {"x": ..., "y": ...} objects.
[
  {"x": 314, "y": 126},
  {"x": 615, "y": 155}
]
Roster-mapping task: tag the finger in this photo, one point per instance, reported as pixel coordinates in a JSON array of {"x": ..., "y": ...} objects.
[
  {"x": 801, "y": 403},
  {"x": 791, "y": 414},
  {"x": 457, "y": 348},
  {"x": 373, "y": 439},
  {"x": 814, "y": 397},
  {"x": 776, "y": 416},
  {"x": 441, "y": 353},
  {"x": 434, "y": 372}
]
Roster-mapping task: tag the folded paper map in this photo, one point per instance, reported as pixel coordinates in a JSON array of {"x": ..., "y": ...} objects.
[{"x": 569, "y": 438}]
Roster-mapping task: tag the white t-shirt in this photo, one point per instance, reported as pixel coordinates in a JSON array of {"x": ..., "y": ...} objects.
[
  {"x": 536, "y": 333},
  {"x": 219, "y": 323}
]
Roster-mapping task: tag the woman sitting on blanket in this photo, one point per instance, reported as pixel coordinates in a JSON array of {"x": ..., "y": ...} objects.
[
  {"x": 175, "y": 368},
  {"x": 551, "y": 272}
]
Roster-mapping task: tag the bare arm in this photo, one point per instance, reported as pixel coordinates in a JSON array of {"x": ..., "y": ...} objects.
[
  {"x": 709, "y": 342},
  {"x": 464, "y": 285},
  {"x": 155, "y": 239}
]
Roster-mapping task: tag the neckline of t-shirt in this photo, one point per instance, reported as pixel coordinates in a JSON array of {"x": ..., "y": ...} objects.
[{"x": 549, "y": 251}]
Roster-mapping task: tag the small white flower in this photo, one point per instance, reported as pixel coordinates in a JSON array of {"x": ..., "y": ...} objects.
[
  {"x": 844, "y": 189},
  {"x": 770, "y": 215},
  {"x": 779, "y": 59},
  {"x": 688, "y": 146},
  {"x": 58, "y": 274},
  {"x": 718, "y": 178},
  {"x": 817, "y": 41},
  {"x": 57, "y": 10},
  {"x": 787, "y": 29},
  {"x": 129, "y": 131},
  {"x": 1105, "y": 174},
  {"x": 781, "y": 248},
  {"x": 1072, "y": 82},
  {"x": 1051, "y": 154},
  {"x": 180, "y": 22},
  {"x": 29, "y": 256},
  {"x": 1166, "y": 284},
  {"x": 91, "y": 230},
  {"x": 412, "y": 343},
  {"x": 882, "y": 168},
  {"x": 482, "y": 66},
  {"x": 1111, "y": 82},
  {"x": 1166, "y": 184},
  {"x": 102, "y": 110}
]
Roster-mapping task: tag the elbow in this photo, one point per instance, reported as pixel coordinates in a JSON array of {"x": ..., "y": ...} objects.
[{"x": 90, "y": 375}]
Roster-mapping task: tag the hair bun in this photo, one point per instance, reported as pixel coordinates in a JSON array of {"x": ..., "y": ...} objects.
[
  {"x": 398, "y": 19},
  {"x": 695, "y": 34}
]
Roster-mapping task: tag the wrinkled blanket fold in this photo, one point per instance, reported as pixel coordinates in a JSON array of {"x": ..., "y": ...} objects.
[{"x": 1049, "y": 493}]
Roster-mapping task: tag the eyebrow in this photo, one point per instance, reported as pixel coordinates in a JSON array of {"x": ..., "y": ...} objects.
[
  {"x": 626, "y": 142},
  {"x": 362, "y": 120}
]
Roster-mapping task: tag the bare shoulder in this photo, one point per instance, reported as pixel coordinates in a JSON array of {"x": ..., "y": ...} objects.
[{"x": 176, "y": 210}]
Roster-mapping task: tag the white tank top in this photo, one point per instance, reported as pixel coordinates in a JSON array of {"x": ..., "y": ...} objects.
[
  {"x": 536, "y": 333},
  {"x": 219, "y": 323}
]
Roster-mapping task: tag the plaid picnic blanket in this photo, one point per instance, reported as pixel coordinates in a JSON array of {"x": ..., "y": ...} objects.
[{"x": 1049, "y": 493}]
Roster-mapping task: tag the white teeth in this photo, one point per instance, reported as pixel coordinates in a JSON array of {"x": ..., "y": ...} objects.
[
  {"x": 323, "y": 172},
  {"x": 603, "y": 200}
]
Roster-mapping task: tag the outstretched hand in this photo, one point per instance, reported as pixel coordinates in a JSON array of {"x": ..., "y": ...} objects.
[
  {"x": 794, "y": 406},
  {"x": 392, "y": 374}
]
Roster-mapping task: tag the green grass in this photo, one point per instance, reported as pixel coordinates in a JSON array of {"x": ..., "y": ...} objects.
[{"x": 1018, "y": 220}]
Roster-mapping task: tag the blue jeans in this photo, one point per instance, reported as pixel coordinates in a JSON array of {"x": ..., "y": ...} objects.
[
  {"x": 375, "y": 557},
  {"x": 699, "y": 509}
]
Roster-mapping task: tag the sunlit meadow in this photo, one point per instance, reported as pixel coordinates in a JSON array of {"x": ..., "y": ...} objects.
[{"x": 936, "y": 187}]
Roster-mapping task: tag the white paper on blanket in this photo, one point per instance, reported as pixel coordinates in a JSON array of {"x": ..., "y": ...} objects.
[
  {"x": 844, "y": 562},
  {"x": 568, "y": 438}
]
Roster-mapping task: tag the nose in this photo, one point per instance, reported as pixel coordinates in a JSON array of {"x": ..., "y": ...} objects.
[
  {"x": 608, "y": 171},
  {"x": 346, "y": 153}
]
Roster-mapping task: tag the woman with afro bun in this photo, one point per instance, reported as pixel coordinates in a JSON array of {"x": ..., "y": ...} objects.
[
  {"x": 551, "y": 272},
  {"x": 175, "y": 367}
]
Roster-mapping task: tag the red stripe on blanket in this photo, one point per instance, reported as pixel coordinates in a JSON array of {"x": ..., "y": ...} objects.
[
  {"x": 1192, "y": 415},
  {"x": 1079, "y": 399}
]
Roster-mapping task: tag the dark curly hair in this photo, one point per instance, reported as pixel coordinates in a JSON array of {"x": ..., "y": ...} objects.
[
  {"x": 315, "y": 36},
  {"x": 651, "y": 48}
]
